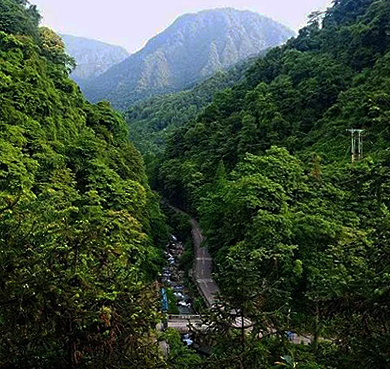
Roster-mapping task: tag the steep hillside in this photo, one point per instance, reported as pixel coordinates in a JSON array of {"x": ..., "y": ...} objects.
[
  {"x": 151, "y": 121},
  {"x": 79, "y": 227},
  {"x": 303, "y": 95},
  {"x": 299, "y": 234},
  {"x": 193, "y": 47},
  {"x": 92, "y": 57}
]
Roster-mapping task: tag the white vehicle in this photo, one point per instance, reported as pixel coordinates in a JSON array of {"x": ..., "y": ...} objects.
[{"x": 184, "y": 304}]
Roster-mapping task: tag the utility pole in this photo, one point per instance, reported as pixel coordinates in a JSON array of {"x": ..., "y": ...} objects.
[{"x": 356, "y": 144}]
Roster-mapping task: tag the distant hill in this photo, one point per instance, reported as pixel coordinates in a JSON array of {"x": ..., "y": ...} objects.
[
  {"x": 193, "y": 47},
  {"x": 92, "y": 57}
]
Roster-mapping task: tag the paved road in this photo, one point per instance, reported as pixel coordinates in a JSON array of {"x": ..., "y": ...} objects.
[
  {"x": 205, "y": 283},
  {"x": 203, "y": 267}
]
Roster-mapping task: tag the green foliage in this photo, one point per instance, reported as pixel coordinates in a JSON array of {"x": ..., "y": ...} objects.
[
  {"x": 172, "y": 300},
  {"x": 187, "y": 259},
  {"x": 77, "y": 250},
  {"x": 299, "y": 235},
  {"x": 179, "y": 357},
  {"x": 18, "y": 17},
  {"x": 53, "y": 48},
  {"x": 151, "y": 121}
]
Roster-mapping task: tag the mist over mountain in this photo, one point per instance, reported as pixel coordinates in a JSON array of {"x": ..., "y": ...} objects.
[
  {"x": 92, "y": 57},
  {"x": 193, "y": 47}
]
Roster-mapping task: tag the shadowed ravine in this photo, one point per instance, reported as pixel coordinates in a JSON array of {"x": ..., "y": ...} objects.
[{"x": 203, "y": 264}]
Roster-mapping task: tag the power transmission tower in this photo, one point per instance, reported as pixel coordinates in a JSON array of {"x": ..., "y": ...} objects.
[{"x": 357, "y": 144}]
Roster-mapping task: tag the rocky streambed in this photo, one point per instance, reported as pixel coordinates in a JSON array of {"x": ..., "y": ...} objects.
[{"x": 173, "y": 277}]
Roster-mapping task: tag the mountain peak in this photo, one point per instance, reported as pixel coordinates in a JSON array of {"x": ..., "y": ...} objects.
[
  {"x": 92, "y": 57},
  {"x": 195, "y": 46}
]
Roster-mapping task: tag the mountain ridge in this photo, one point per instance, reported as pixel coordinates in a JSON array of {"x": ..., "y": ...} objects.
[
  {"x": 218, "y": 38},
  {"x": 93, "y": 57}
]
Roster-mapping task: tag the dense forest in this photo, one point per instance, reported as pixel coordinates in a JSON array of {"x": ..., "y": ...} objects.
[
  {"x": 152, "y": 121},
  {"x": 300, "y": 235},
  {"x": 80, "y": 230}
]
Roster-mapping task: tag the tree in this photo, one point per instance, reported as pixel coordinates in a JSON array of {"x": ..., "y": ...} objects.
[{"x": 18, "y": 17}]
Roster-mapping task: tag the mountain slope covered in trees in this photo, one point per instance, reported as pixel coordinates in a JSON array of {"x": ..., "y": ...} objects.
[
  {"x": 299, "y": 234},
  {"x": 92, "y": 57},
  {"x": 151, "y": 121},
  {"x": 80, "y": 230},
  {"x": 193, "y": 47}
]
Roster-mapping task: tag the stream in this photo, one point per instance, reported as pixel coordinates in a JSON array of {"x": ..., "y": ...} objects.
[{"x": 173, "y": 277}]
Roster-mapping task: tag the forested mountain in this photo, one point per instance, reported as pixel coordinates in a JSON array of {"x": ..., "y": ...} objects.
[
  {"x": 92, "y": 57},
  {"x": 193, "y": 47},
  {"x": 151, "y": 121},
  {"x": 299, "y": 234},
  {"x": 80, "y": 230}
]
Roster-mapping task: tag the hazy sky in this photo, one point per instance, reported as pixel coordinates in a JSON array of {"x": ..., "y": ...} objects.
[{"x": 130, "y": 23}]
